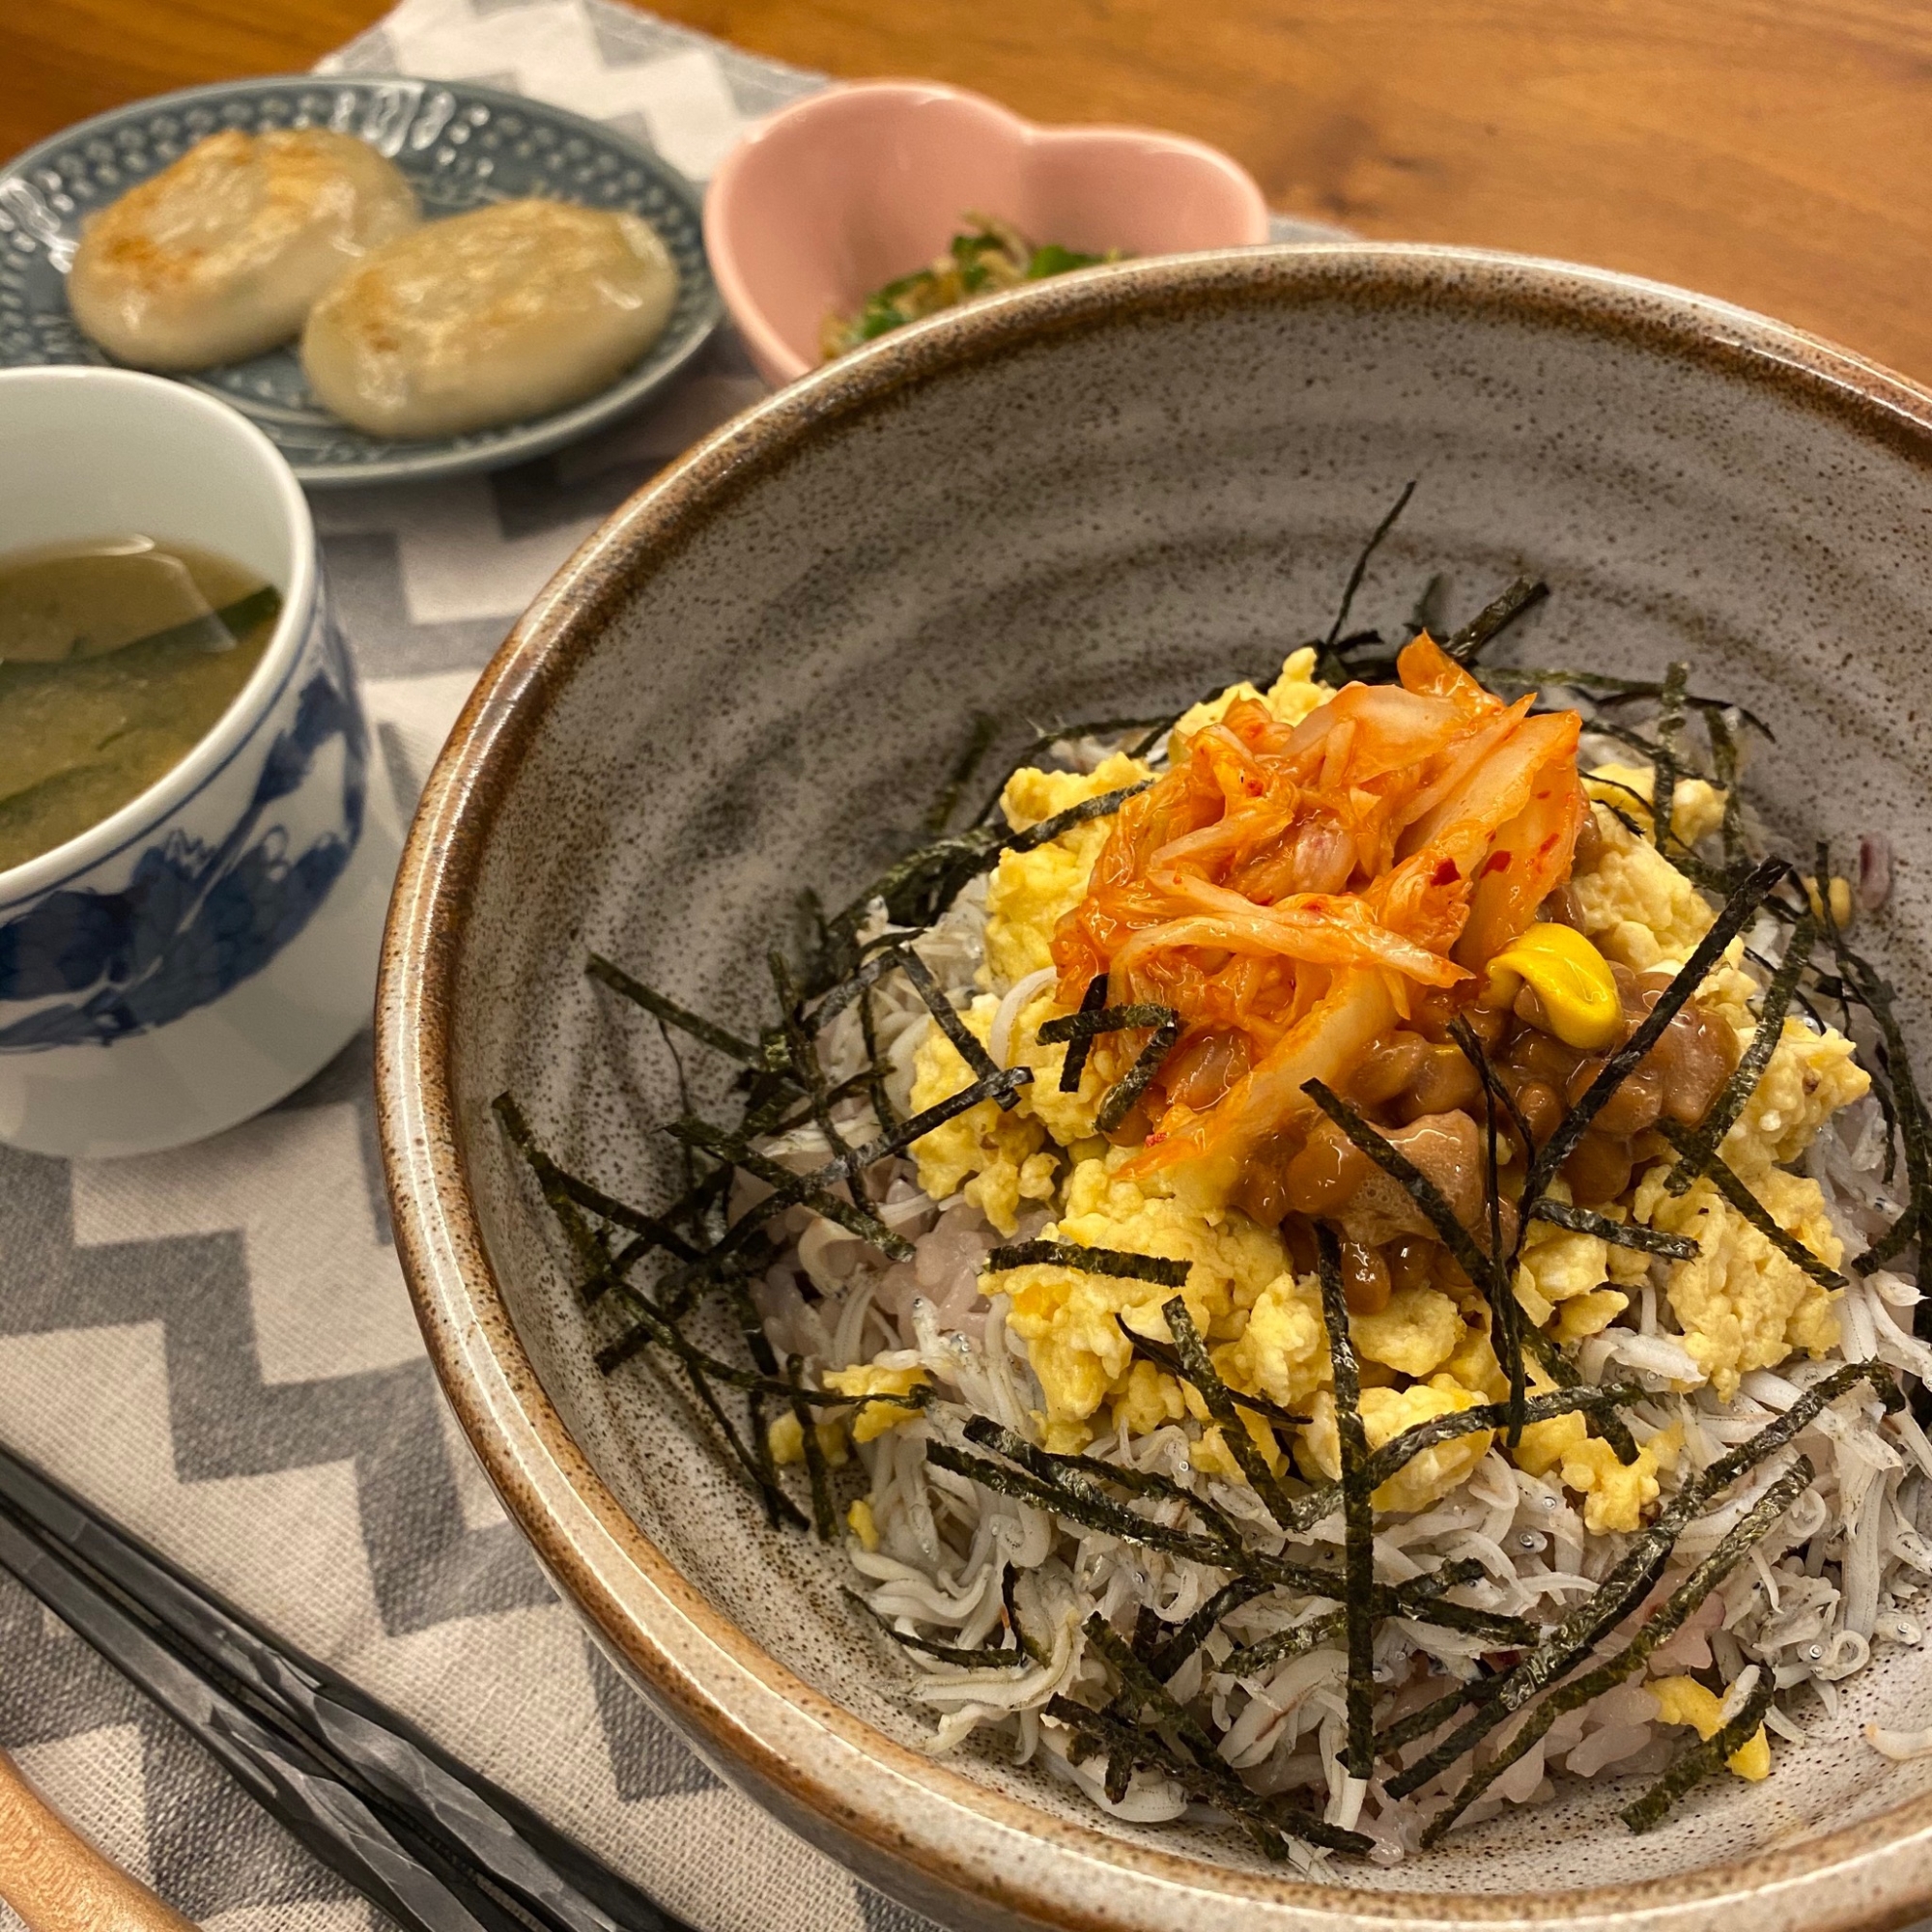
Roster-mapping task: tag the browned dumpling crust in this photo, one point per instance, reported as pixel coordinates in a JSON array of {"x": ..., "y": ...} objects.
[
  {"x": 220, "y": 255},
  {"x": 491, "y": 317}
]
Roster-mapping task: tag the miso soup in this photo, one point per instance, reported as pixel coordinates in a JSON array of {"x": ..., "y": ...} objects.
[{"x": 117, "y": 656}]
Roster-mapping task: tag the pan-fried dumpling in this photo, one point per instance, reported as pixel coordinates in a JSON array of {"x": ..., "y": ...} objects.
[
  {"x": 507, "y": 312},
  {"x": 221, "y": 254}
]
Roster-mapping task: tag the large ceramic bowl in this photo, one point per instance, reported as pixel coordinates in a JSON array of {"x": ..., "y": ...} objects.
[{"x": 1100, "y": 495}]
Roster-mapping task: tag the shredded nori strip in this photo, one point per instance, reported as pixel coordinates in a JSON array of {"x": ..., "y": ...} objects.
[
  {"x": 592, "y": 1255},
  {"x": 1331, "y": 1623},
  {"x": 1113, "y": 1262},
  {"x": 1663, "y": 1623},
  {"x": 1604, "y": 690},
  {"x": 1121, "y": 1100},
  {"x": 1569, "y": 1133},
  {"x": 768, "y": 1119},
  {"x": 1400, "y": 1450},
  {"x": 922, "y": 1124},
  {"x": 1167, "y": 1657},
  {"x": 822, "y": 1515},
  {"x": 1009, "y": 1599},
  {"x": 1905, "y": 1109},
  {"x": 1081, "y": 1045},
  {"x": 1079, "y": 1475},
  {"x": 1091, "y": 1510},
  {"x": 1395, "y": 1737},
  {"x": 1702, "y": 1759},
  {"x": 656, "y": 1326},
  {"x": 1569, "y": 1640},
  {"x": 699, "y": 1370},
  {"x": 1163, "y": 1358},
  {"x": 1045, "y": 741},
  {"x": 1724, "y": 770},
  {"x": 1723, "y": 1178},
  {"x": 1048, "y": 830},
  {"x": 1487, "y": 1271},
  {"x": 1493, "y": 1202},
  {"x": 1395, "y": 1454},
  {"x": 978, "y": 742},
  {"x": 1666, "y": 758},
  {"x": 1467, "y": 644},
  {"x": 1619, "y": 1233},
  {"x": 812, "y": 1186},
  {"x": 1083, "y": 1025},
  {"x": 990, "y": 1656},
  {"x": 1285, "y": 1644},
  {"x": 801, "y": 1051},
  {"x": 971, "y": 1050},
  {"x": 920, "y": 886},
  {"x": 1330, "y": 666},
  {"x": 752, "y": 1329},
  {"x": 883, "y": 1110},
  {"x": 1465, "y": 1035},
  {"x": 1357, "y": 1512},
  {"x": 1560, "y": 1370},
  {"x": 1240, "y": 1444},
  {"x": 1225, "y": 1786},
  {"x": 660, "y": 1007},
  {"x": 835, "y": 999},
  {"x": 1701, "y": 1144},
  {"x": 1072, "y": 1494},
  {"x": 796, "y": 1189},
  {"x": 1264, "y": 1818}
]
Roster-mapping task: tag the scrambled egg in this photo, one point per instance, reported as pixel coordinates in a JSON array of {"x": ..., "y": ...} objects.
[
  {"x": 1741, "y": 1304},
  {"x": 1385, "y": 1413},
  {"x": 860, "y": 1521},
  {"x": 1030, "y": 893},
  {"x": 1416, "y": 1333},
  {"x": 1557, "y": 1265},
  {"x": 1587, "y": 1315},
  {"x": 1808, "y": 1077},
  {"x": 998, "y": 1159},
  {"x": 1615, "y": 1495},
  {"x": 1282, "y": 1352},
  {"x": 873, "y": 1418},
  {"x": 787, "y": 1437},
  {"x": 1683, "y": 1700},
  {"x": 1697, "y": 806},
  {"x": 1067, "y": 1317},
  {"x": 1637, "y": 907},
  {"x": 1292, "y": 698}
]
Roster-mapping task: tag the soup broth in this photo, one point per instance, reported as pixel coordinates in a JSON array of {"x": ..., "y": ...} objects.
[{"x": 117, "y": 656}]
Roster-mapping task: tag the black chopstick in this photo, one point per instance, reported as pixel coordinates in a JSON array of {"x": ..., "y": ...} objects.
[
  {"x": 435, "y": 1843},
  {"x": 330, "y": 1820}
]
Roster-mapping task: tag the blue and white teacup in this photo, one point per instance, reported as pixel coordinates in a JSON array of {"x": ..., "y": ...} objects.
[{"x": 213, "y": 944}]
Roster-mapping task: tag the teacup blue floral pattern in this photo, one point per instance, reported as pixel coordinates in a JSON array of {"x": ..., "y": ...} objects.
[{"x": 178, "y": 919}]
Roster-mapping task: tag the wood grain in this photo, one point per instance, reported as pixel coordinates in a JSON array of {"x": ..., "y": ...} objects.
[
  {"x": 57, "y": 1882},
  {"x": 1764, "y": 150}
]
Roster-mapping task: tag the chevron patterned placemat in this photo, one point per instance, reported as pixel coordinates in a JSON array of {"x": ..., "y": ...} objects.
[{"x": 214, "y": 1344}]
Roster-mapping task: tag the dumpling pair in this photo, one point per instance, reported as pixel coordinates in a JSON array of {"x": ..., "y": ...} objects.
[{"x": 409, "y": 330}]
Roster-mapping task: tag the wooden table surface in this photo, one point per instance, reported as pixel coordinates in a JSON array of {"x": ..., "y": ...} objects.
[{"x": 1774, "y": 152}]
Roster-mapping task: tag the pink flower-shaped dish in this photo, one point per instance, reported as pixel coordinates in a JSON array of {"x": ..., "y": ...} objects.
[{"x": 848, "y": 189}]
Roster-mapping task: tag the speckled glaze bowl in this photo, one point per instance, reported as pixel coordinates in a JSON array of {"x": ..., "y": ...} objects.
[{"x": 1101, "y": 496}]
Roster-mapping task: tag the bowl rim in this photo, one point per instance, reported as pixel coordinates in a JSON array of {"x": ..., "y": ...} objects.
[
  {"x": 728, "y": 188},
  {"x": 824, "y": 1771}
]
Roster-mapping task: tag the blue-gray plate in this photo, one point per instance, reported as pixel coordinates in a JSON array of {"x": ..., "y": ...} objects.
[{"x": 460, "y": 147}]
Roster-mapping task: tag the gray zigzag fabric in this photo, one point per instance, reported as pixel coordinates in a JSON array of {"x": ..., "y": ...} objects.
[{"x": 216, "y": 1343}]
